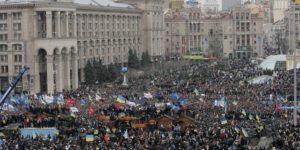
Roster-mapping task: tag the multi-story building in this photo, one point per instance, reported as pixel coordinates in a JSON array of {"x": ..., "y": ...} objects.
[
  {"x": 56, "y": 38},
  {"x": 211, "y": 35},
  {"x": 152, "y": 25},
  {"x": 176, "y": 29},
  {"x": 194, "y": 29},
  {"x": 182, "y": 28},
  {"x": 235, "y": 34},
  {"x": 248, "y": 31}
]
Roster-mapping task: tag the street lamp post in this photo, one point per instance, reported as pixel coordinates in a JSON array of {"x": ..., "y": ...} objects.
[{"x": 295, "y": 64}]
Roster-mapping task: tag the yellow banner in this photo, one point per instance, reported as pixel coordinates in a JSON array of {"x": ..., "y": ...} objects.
[{"x": 297, "y": 2}]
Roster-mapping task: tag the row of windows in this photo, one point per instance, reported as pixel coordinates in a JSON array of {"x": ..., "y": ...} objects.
[
  {"x": 242, "y": 16},
  {"x": 96, "y": 34},
  {"x": 15, "y": 16},
  {"x": 4, "y": 69},
  {"x": 4, "y": 58},
  {"x": 108, "y": 42},
  {"x": 16, "y": 36},
  {"x": 86, "y": 18},
  {"x": 108, "y": 26},
  {"x": 16, "y": 27},
  {"x": 97, "y": 51},
  {"x": 15, "y": 47}
]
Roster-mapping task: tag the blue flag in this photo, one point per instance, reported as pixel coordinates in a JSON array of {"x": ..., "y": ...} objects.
[
  {"x": 82, "y": 102},
  {"x": 174, "y": 96}
]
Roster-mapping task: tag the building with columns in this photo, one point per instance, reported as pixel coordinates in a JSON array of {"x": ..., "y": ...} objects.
[{"x": 56, "y": 38}]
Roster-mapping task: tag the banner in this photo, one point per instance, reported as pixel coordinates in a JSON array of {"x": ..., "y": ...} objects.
[{"x": 33, "y": 132}]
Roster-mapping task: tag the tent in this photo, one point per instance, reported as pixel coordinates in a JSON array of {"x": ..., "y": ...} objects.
[
  {"x": 261, "y": 79},
  {"x": 270, "y": 62}
]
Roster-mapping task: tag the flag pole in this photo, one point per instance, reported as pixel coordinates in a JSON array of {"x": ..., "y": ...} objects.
[{"x": 295, "y": 64}]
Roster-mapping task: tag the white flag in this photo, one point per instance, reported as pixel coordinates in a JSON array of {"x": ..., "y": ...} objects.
[
  {"x": 125, "y": 135},
  {"x": 148, "y": 95},
  {"x": 98, "y": 97},
  {"x": 196, "y": 92}
]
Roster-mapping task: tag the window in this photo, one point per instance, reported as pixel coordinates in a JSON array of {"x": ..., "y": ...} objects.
[
  {"x": 3, "y": 58},
  {"x": 225, "y": 37},
  {"x": 17, "y": 47},
  {"x": 3, "y": 16},
  {"x": 4, "y": 69},
  {"x": 3, "y": 47},
  {"x": 17, "y": 36},
  {"x": 3, "y": 27},
  {"x": 18, "y": 68},
  {"x": 17, "y": 16},
  {"x": 3, "y": 37},
  {"x": 17, "y": 26},
  {"x": 18, "y": 58}
]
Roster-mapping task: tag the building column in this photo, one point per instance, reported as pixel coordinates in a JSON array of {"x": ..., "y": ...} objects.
[
  {"x": 67, "y": 24},
  {"x": 58, "y": 32},
  {"x": 49, "y": 23},
  {"x": 74, "y": 72},
  {"x": 50, "y": 79},
  {"x": 82, "y": 75},
  {"x": 67, "y": 83},
  {"x": 74, "y": 25},
  {"x": 35, "y": 25},
  {"x": 79, "y": 25},
  {"x": 36, "y": 82},
  {"x": 59, "y": 74}
]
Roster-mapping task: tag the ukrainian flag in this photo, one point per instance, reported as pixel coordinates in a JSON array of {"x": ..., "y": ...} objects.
[
  {"x": 89, "y": 138},
  {"x": 120, "y": 99}
]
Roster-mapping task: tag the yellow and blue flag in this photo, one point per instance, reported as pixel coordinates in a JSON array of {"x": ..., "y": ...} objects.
[
  {"x": 89, "y": 138},
  {"x": 121, "y": 99}
]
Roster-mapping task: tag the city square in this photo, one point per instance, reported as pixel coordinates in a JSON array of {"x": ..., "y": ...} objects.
[{"x": 149, "y": 74}]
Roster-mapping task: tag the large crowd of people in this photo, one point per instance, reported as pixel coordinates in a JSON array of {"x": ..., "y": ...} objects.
[{"x": 250, "y": 111}]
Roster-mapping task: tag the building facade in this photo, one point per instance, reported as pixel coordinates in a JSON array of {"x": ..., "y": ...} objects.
[
  {"x": 56, "y": 39},
  {"x": 248, "y": 32},
  {"x": 176, "y": 33},
  {"x": 152, "y": 25}
]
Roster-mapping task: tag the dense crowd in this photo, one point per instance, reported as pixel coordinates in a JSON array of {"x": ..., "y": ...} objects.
[{"x": 251, "y": 112}]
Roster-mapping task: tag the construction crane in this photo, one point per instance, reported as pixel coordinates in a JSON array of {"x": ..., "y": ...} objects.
[{"x": 13, "y": 85}]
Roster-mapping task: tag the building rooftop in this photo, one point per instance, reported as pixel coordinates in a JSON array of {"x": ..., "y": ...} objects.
[{"x": 105, "y": 3}]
